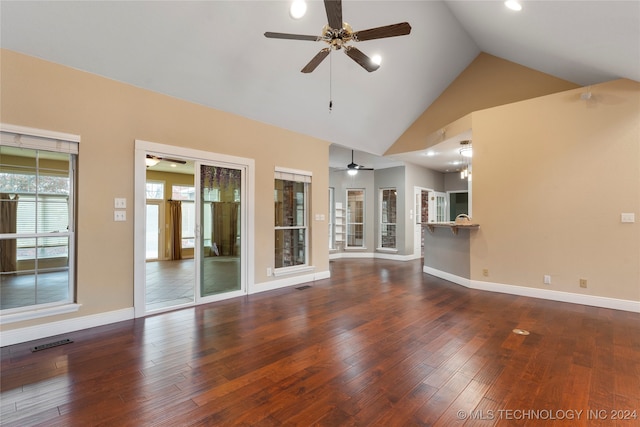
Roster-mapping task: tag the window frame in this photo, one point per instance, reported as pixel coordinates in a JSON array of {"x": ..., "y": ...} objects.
[
  {"x": 191, "y": 192},
  {"x": 54, "y": 142},
  {"x": 296, "y": 176},
  {"x": 382, "y": 224},
  {"x": 350, "y": 224}
]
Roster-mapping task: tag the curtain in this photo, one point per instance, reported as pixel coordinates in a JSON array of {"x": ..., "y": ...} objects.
[
  {"x": 225, "y": 227},
  {"x": 175, "y": 213},
  {"x": 8, "y": 222}
]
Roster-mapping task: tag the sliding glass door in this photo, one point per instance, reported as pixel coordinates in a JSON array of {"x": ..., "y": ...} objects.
[{"x": 195, "y": 247}]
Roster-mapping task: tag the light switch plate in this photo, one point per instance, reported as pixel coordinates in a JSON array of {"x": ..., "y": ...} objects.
[
  {"x": 120, "y": 203},
  {"x": 628, "y": 217}
]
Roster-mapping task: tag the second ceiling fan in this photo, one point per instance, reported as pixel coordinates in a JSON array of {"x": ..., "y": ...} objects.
[
  {"x": 353, "y": 168},
  {"x": 338, "y": 34}
]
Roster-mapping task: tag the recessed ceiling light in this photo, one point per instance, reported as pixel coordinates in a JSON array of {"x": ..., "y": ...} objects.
[
  {"x": 513, "y": 5},
  {"x": 298, "y": 9},
  {"x": 430, "y": 153},
  {"x": 376, "y": 59}
]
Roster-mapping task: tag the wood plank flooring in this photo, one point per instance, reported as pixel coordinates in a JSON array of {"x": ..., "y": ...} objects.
[{"x": 378, "y": 344}]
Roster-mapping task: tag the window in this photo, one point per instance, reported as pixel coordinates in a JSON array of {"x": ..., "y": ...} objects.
[
  {"x": 186, "y": 194},
  {"x": 291, "y": 230},
  {"x": 155, "y": 190},
  {"x": 37, "y": 223},
  {"x": 387, "y": 237},
  {"x": 355, "y": 218}
]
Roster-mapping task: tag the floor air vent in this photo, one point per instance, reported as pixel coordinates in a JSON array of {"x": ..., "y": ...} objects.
[
  {"x": 301, "y": 288},
  {"x": 51, "y": 344}
]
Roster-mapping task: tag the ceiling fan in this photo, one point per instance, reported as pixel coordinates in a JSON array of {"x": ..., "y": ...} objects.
[
  {"x": 152, "y": 160},
  {"x": 353, "y": 168},
  {"x": 338, "y": 34}
]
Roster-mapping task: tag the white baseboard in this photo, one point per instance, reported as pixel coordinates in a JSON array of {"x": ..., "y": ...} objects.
[
  {"x": 379, "y": 255},
  {"x": 447, "y": 276},
  {"x": 289, "y": 281},
  {"x": 30, "y": 333},
  {"x": 548, "y": 294}
]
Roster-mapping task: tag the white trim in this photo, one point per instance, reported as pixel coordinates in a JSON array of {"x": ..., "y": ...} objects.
[
  {"x": 41, "y": 133},
  {"x": 387, "y": 250},
  {"x": 378, "y": 255},
  {"x": 293, "y": 171},
  {"x": 289, "y": 281},
  {"x": 591, "y": 300},
  {"x": 30, "y": 333},
  {"x": 447, "y": 276},
  {"x": 38, "y": 312},
  {"x": 286, "y": 271}
]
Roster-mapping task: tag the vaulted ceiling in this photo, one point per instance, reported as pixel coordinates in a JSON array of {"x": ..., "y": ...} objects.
[{"x": 214, "y": 53}]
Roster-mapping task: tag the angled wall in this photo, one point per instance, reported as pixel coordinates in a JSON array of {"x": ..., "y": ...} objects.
[{"x": 487, "y": 82}]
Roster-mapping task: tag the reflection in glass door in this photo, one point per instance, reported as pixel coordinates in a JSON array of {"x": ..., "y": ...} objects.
[{"x": 220, "y": 245}]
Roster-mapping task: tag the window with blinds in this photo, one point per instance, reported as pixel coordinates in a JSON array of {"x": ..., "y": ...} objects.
[
  {"x": 291, "y": 218},
  {"x": 37, "y": 224}
]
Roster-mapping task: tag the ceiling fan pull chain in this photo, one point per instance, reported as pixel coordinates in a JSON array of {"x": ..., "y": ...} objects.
[{"x": 330, "y": 82}]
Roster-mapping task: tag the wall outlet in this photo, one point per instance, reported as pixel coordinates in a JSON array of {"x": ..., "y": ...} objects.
[
  {"x": 583, "y": 283},
  {"x": 628, "y": 217},
  {"x": 485, "y": 272},
  {"x": 547, "y": 279},
  {"x": 269, "y": 272}
]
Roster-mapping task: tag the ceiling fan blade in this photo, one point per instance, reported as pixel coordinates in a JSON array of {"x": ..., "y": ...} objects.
[
  {"x": 334, "y": 13},
  {"x": 362, "y": 59},
  {"x": 393, "y": 30},
  {"x": 166, "y": 159},
  {"x": 316, "y": 60},
  {"x": 181, "y": 162},
  {"x": 271, "y": 35}
]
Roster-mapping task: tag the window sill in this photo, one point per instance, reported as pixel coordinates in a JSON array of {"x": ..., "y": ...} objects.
[
  {"x": 37, "y": 313},
  {"x": 355, "y": 248},
  {"x": 285, "y": 271}
]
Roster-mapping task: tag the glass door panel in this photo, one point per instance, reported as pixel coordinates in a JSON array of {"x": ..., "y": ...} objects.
[
  {"x": 220, "y": 230},
  {"x": 170, "y": 273}
]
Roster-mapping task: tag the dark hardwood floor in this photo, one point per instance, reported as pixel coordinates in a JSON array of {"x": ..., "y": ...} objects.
[{"x": 380, "y": 343}]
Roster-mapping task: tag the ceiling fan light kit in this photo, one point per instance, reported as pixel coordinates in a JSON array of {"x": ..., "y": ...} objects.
[
  {"x": 152, "y": 160},
  {"x": 338, "y": 34}
]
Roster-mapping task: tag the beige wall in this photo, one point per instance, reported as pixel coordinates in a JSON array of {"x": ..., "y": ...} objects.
[
  {"x": 487, "y": 82},
  {"x": 109, "y": 116},
  {"x": 551, "y": 177}
]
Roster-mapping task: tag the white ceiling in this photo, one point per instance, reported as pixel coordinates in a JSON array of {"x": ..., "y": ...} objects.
[{"x": 214, "y": 53}]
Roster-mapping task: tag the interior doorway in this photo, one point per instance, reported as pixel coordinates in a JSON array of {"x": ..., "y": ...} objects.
[{"x": 421, "y": 216}]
